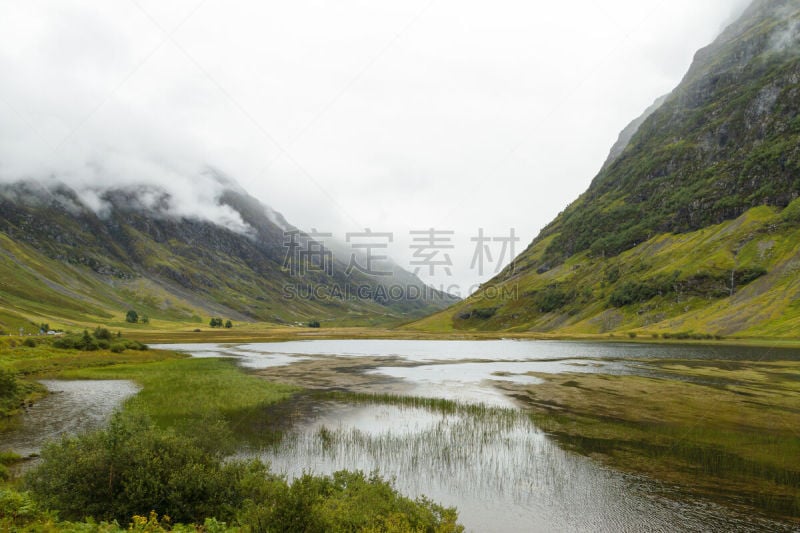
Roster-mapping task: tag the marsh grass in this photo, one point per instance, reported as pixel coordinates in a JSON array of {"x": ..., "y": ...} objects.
[
  {"x": 438, "y": 405},
  {"x": 736, "y": 440},
  {"x": 190, "y": 394},
  {"x": 472, "y": 449}
]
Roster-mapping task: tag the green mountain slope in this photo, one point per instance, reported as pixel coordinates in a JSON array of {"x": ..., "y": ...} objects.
[
  {"x": 692, "y": 226},
  {"x": 63, "y": 263}
]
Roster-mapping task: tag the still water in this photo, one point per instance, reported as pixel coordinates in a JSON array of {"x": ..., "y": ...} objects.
[
  {"x": 71, "y": 407},
  {"x": 501, "y": 472}
]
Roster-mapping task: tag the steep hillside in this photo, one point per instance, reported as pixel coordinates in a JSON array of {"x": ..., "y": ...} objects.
[
  {"x": 691, "y": 225},
  {"x": 62, "y": 262}
]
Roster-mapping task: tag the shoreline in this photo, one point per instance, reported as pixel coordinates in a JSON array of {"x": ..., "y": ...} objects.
[{"x": 366, "y": 333}]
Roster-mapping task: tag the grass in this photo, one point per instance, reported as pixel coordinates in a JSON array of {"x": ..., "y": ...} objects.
[
  {"x": 436, "y": 405},
  {"x": 186, "y": 394},
  {"x": 27, "y": 364},
  {"x": 725, "y": 430},
  {"x": 177, "y": 391},
  {"x": 689, "y": 274}
]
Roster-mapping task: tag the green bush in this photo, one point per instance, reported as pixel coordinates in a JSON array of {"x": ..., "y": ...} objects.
[
  {"x": 313, "y": 324},
  {"x": 135, "y": 345},
  {"x": 16, "y": 508},
  {"x": 64, "y": 343},
  {"x": 87, "y": 342},
  {"x": 8, "y": 385},
  {"x": 102, "y": 333},
  {"x": 132, "y": 468},
  {"x": 553, "y": 298},
  {"x": 30, "y": 342},
  {"x": 347, "y": 501}
]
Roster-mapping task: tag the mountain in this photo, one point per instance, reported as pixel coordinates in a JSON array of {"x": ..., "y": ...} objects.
[
  {"x": 693, "y": 223},
  {"x": 64, "y": 262}
]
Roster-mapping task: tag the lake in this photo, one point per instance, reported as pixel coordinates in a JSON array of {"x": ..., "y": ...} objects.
[{"x": 501, "y": 472}]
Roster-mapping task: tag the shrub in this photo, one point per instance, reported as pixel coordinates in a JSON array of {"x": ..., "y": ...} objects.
[
  {"x": 313, "y": 324},
  {"x": 87, "y": 342},
  {"x": 65, "y": 343},
  {"x": 10, "y": 394},
  {"x": 29, "y": 342},
  {"x": 348, "y": 501},
  {"x": 485, "y": 313},
  {"x": 16, "y": 508},
  {"x": 102, "y": 333},
  {"x": 553, "y": 298},
  {"x": 8, "y": 384},
  {"x": 135, "y": 345},
  {"x": 132, "y": 317},
  {"x": 482, "y": 314},
  {"x": 133, "y": 469},
  {"x": 6, "y": 459}
]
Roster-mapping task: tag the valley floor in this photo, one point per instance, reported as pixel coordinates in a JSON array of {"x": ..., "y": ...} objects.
[{"x": 725, "y": 430}]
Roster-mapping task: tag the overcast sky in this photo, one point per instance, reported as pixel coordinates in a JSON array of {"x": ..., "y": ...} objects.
[{"x": 343, "y": 115}]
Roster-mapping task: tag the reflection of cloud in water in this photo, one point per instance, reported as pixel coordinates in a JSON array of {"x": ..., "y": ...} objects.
[
  {"x": 249, "y": 358},
  {"x": 499, "y": 470}
]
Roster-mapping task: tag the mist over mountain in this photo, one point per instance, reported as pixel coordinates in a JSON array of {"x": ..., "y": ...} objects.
[
  {"x": 691, "y": 225},
  {"x": 64, "y": 259}
]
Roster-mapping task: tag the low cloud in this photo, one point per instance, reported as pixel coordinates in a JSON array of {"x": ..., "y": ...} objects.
[{"x": 342, "y": 115}]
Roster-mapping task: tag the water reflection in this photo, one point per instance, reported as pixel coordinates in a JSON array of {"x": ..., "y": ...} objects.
[
  {"x": 71, "y": 407},
  {"x": 499, "y": 470}
]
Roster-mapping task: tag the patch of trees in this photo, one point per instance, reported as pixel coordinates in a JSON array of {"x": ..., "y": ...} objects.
[
  {"x": 483, "y": 313},
  {"x": 313, "y": 323},
  {"x": 684, "y": 335},
  {"x": 630, "y": 292},
  {"x": 132, "y": 317},
  {"x": 706, "y": 284},
  {"x": 101, "y": 339},
  {"x": 553, "y": 297},
  {"x": 218, "y": 323}
]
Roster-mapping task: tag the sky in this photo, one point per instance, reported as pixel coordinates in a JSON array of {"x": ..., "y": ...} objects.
[{"x": 457, "y": 116}]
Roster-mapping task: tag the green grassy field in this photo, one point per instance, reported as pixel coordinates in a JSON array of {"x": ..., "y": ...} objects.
[
  {"x": 190, "y": 394},
  {"x": 211, "y": 404},
  {"x": 737, "y": 279}
]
